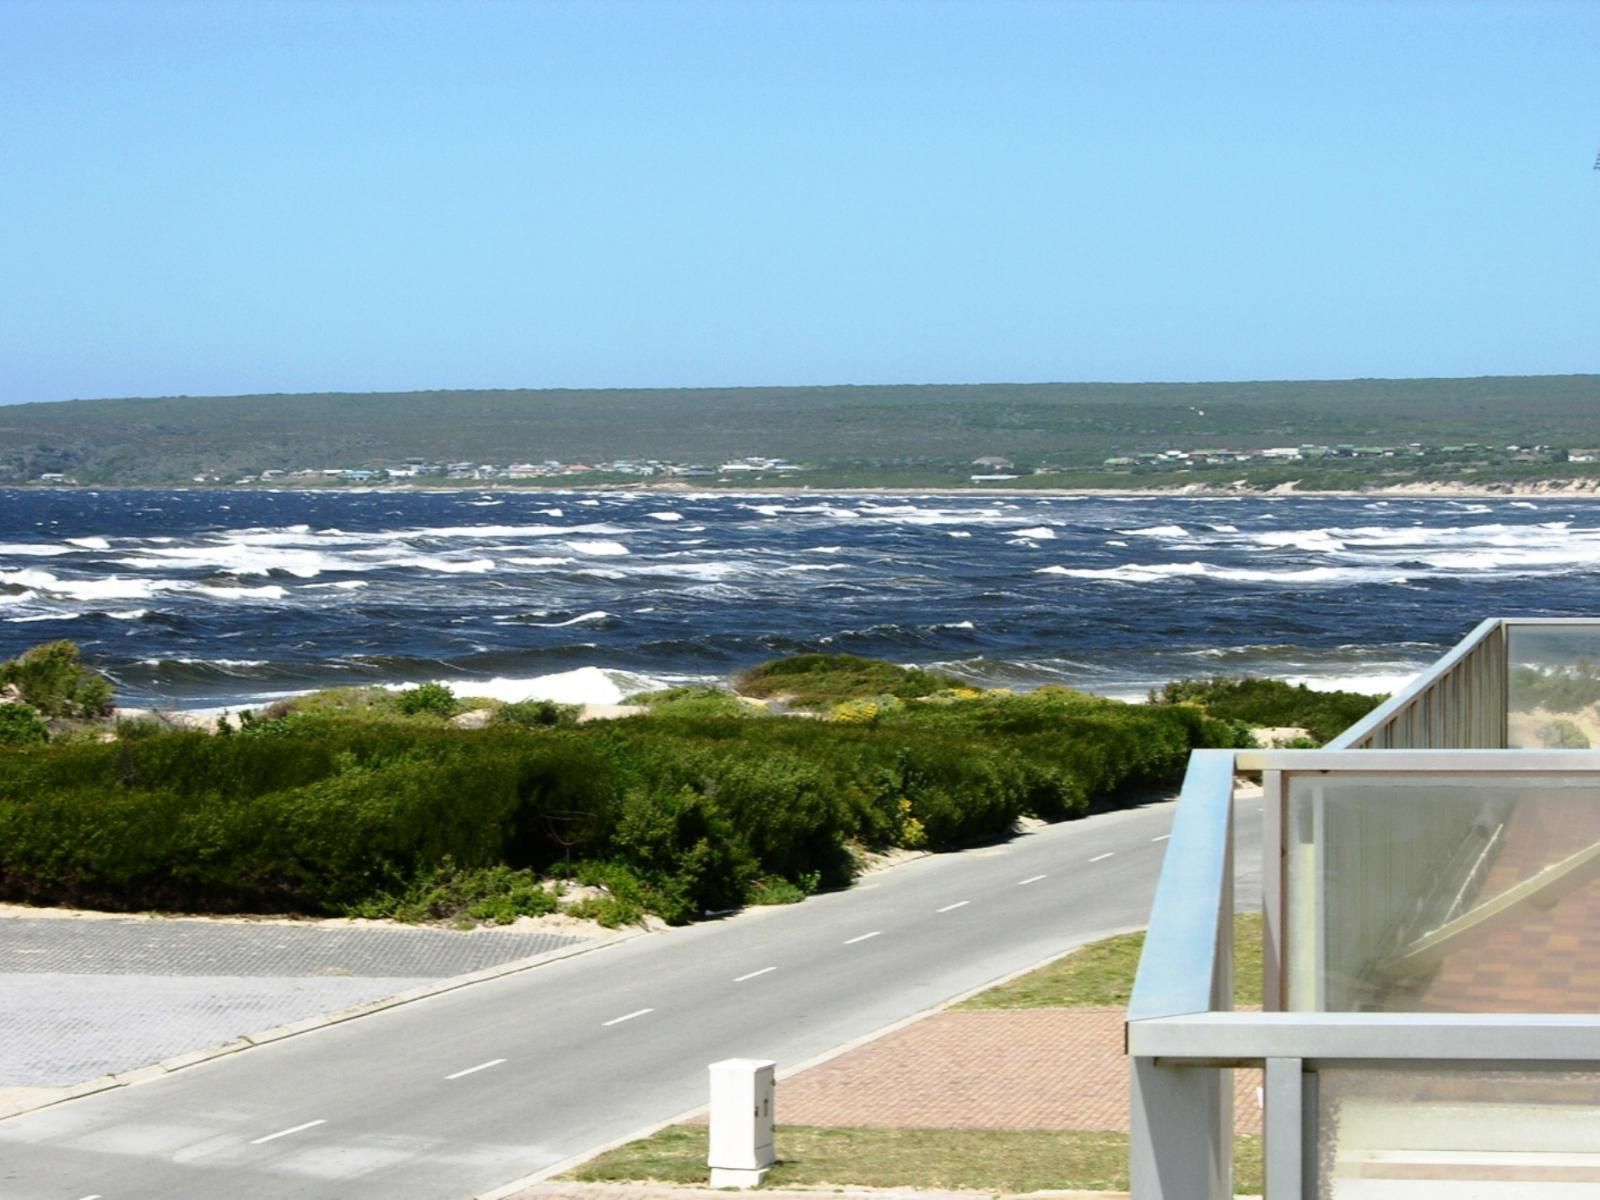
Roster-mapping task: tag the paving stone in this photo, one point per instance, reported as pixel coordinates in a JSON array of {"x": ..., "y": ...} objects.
[
  {"x": 143, "y": 946},
  {"x": 85, "y": 998}
]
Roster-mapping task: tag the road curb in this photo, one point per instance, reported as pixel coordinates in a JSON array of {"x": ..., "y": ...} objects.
[{"x": 278, "y": 1033}]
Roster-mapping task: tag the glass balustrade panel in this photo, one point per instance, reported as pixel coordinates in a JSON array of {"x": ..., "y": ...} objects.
[{"x": 1456, "y": 892}]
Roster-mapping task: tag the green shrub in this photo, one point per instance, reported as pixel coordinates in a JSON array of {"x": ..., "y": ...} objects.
[
  {"x": 434, "y": 699},
  {"x": 498, "y": 894},
  {"x": 611, "y": 911},
  {"x": 818, "y": 680},
  {"x": 53, "y": 680},
  {"x": 1562, "y": 734},
  {"x": 21, "y": 726},
  {"x": 693, "y": 702},
  {"x": 776, "y": 891},
  {"x": 1324, "y": 715},
  {"x": 131, "y": 729},
  {"x": 1559, "y": 690},
  {"x": 535, "y": 714}
]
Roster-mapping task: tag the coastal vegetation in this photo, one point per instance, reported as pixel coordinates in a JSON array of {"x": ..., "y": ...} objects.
[
  {"x": 346, "y": 803},
  {"x": 914, "y": 436},
  {"x": 423, "y": 805},
  {"x": 1271, "y": 702}
]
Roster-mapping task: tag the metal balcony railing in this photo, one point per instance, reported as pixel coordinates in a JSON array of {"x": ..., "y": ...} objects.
[{"x": 1431, "y": 946}]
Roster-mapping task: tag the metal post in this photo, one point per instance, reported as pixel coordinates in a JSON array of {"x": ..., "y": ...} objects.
[
  {"x": 1180, "y": 1143},
  {"x": 1283, "y": 1119}
]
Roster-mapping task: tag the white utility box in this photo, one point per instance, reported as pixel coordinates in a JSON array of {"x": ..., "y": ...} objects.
[{"x": 741, "y": 1122}]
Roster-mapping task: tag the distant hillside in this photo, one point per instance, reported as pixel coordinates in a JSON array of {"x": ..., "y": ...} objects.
[{"x": 896, "y": 429}]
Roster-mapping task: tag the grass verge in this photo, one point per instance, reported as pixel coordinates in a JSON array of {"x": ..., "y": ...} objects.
[
  {"x": 978, "y": 1159},
  {"x": 1100, "y": 975}
]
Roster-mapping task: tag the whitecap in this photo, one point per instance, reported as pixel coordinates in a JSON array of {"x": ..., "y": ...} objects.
[
  {"x": 128, "y": 614},
  {"x": 269, "y": 591},
  {"x": 598, "y": 549},
  {"x": 588, "y": 618},
  {"x": 485, "y": 503},
  {"x": 1114, "y": 542},
  {"x": 444, "y": 566},
  {"x": 1157, "y": 531},
  {"x": 1225, "y": 528},
  {"x": 113, "y": 587},
  {"x": 823, "y": 549},
  {"x": 699, "y": 570},
  {"x": 89, "y": 543},
  {"x": 955, "y": 625},
  {"x": 239, "y": 559},
  {"x": 1037, "y": 533},
  {"x": 33, "y": 550},
  {"x": 1158, "y": 572},
  {"x": 665, "y": 516},
  {"x": 540, "y": 561},
  {"x": 1318, "y": 540},
  {"x": 600, "y": 573},
  {"x": 44, "y": 617},
  {"x": 957, "y": 533}
]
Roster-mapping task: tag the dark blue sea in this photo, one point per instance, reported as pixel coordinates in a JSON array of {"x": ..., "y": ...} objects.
[{"x": 204, "y": 598}]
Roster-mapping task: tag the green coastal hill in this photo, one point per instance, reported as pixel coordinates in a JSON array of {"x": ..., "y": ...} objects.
[{"x": 914, "y": 434}]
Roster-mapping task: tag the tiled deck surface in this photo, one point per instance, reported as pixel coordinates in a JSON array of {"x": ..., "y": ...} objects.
[{"x": 1540, "y": 957}]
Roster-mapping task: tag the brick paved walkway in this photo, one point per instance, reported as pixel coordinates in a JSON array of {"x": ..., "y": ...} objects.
[
  {"x": 1027, "y": 1068},
  {"x": 1045, "y": 1068},
  {"x": 81, "y": 998}
]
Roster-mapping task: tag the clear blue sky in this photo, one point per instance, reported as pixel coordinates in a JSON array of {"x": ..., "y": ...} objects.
[{"x": 223, "y": 197}]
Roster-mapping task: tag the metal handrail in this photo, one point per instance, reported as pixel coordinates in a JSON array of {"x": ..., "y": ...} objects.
[{"x": 1181, "y": 969}]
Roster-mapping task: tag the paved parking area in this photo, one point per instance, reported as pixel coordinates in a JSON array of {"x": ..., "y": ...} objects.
[{"x": 85, "y": 997}]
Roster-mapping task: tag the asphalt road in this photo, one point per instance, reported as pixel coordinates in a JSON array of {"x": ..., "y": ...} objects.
[{"x": 464, "y": 1092}]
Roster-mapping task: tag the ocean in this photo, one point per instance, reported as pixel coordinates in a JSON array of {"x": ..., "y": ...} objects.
[{"x": 211, "y": 599}]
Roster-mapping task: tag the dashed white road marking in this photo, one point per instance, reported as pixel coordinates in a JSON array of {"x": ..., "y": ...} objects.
[
  {"x": 1162, "y": 838},
  {"x": 286, "y": 1132},
  {"x": 1029, "y": 879},
  {"x": 862, "y": 937},
  {"x": 493, "y": 1062},
  {"x": 638, "y": 1012},
  {"x": 1103, "y": 857},
  {"x": 753, "y": 974},
  {"x": 957, "y": 904}
]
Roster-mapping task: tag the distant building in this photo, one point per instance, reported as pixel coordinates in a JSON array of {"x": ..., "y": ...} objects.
[{"x": 993, "y": 462}]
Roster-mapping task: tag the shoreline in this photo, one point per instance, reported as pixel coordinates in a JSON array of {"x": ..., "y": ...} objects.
[{"x": 1566, "y": 489}]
